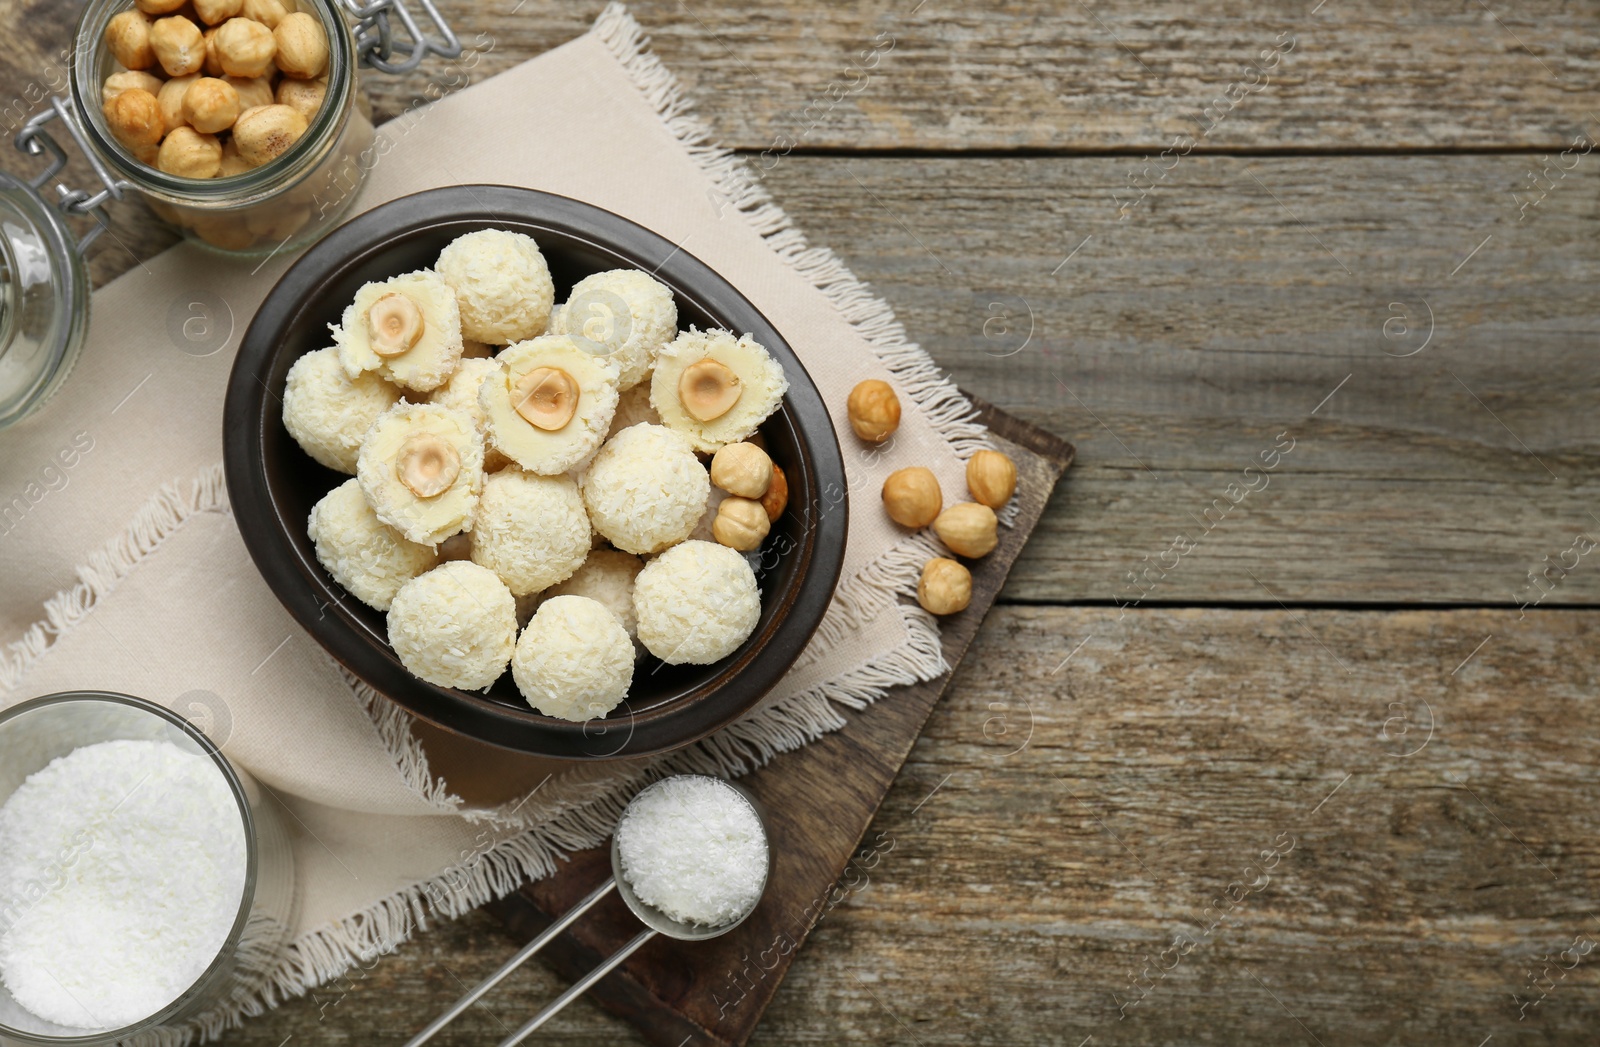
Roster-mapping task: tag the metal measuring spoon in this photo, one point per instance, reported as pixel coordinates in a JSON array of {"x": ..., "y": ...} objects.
[{"x": 654, "y": 920}]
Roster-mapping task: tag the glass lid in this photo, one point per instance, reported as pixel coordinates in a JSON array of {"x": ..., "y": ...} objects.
[{"x": 44, "y": 300}]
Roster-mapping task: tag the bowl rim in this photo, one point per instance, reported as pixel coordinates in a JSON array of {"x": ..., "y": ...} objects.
[{"x": 818, "y": 486}]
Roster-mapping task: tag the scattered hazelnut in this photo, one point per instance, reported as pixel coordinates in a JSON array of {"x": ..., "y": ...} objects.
[
  {"x": 210, "y": 105},
  {"x": 159, "y": 7},
  {"x": 741, "y": 524},
  {"x": 969, "y": 529},
  {"x": 135, "y": 118},
  {"x": 428, "y": 465},
  {"x": 253, "y": 91},
  {"x": 268, "y": 12},
  {"x": 267, "y": 131},
  {"x": 945, "y": 586},
  {"x": 874, "y": 410},
  {"x": 708, "y": 389},
  {"x": 232, "y": 162},
  {"x": 546, "y": 398},
  {"x": 303, "y": 96},
  {"x": 128, "y": 37},
  {"x": 188, "y": 153},
  {"x": 129, "y": 80},
  {"x": 912, "y": 497},
  {"x": 992, "y": 478},
  {"x": 302, "y": 46},
  {"x": 776, "y": 500},
  {"x": 171, "y": 99},
  {"x": 245, "y": 48},
  {"x": 215, "y": 12},
  {"x": 394, "y": 324},
  {"x": 178, "y": 45},
  {"x": 742, "y": 469}
]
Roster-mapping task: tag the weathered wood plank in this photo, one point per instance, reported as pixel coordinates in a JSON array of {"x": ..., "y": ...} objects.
[
  {"x": 1057, "y": 825},
  {"x": 1174, "y": 346}
]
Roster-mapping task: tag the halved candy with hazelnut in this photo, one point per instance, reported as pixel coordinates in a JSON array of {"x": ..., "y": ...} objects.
[
  {"x": 421, "y": 469},
  {"x": 407, "y": 329},
  {"x": 551, "y": 405},
  {"x": 714, "y": 388}
]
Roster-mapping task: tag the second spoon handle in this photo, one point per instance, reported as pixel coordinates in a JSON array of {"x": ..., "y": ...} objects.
[
  {"x": 579, "y": 987},
  {"x": 512, "y": 964}
]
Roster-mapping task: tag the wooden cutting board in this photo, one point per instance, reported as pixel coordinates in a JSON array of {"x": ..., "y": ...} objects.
[{"x": 821, "y": 799}]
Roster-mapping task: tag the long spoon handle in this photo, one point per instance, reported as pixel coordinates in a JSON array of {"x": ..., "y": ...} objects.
[
  {"x": 578, "y": 989},
  {"x": 512, "y": 964}
]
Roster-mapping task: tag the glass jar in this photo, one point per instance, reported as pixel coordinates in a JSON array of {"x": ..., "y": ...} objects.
[{"x": 278, "y": 207}]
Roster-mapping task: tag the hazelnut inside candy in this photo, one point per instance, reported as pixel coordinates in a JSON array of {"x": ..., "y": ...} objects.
[
  {"x": 546, "y": 398},
  {"x": 708, "y": 390},
  {"x": 428, "y": 465},
  {"x": 395, "y": 324}
]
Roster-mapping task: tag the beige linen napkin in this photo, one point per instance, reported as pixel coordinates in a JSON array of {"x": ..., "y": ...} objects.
[{"x": 124, "y": 570}]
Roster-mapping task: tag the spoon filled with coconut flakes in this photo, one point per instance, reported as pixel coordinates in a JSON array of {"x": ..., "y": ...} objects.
[{"x": 690, "y": 857}]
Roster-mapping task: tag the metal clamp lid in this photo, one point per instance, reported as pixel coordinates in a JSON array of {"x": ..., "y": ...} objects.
[
  {"x": 375, "y": 41},
  {"x": 35, "y": 140}
]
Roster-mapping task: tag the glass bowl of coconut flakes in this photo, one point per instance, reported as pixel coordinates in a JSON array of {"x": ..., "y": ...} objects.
[{"x": 145, "y": 882}]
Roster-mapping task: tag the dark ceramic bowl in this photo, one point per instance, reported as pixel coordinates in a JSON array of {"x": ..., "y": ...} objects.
[{"x": 273, "y": 484}]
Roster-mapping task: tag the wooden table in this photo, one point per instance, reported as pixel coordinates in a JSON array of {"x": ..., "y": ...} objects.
[{"x": 1298, "y": 754}]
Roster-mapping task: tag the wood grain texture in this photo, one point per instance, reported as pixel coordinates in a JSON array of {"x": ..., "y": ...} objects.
[
  {"x": 1175, "y": 345},
  {"x": 1057, "y": 827}
]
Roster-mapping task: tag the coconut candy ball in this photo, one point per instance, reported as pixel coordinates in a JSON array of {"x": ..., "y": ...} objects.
[
  {"x": 629, "y": 312},
  {"x": 407, "y": 329},
  {"x": 530, "y": 530},
  {"x": 328, "y": 412},
  {"x": 421, "y": 468},
  {"x": 574, "y": 660},
  {"x": 645, "y": 490},
  {"x": 715, "y": 388},
  {"x": 501, "y": 283},
  {"x": 551, "y": 405},
  {"x": 606, "y": 577},
  {"x": 455, "y": 626},
  {"x": 696, "y": 603},
  {"x": 370, "y": 559}
]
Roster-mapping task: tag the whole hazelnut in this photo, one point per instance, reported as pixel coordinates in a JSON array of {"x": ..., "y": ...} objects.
[
  {"x": 213, "y": 63},
  {"x": 253, "y": 91},
  {"x": 210, "y": 105},
  {"x": 912, "y": 497},
  {"x": 245, "y": 48},
  {"x": 171, "y": 98},
  {"x": 232, "y": 162},
  {"x": 742, "y": 469},
  {"x": 134, "y": 117},
  {"x": 128, "y": 37},
  {"x": 215, "y": 12},
  {"x": 189, "y": 154},
  {"x": 266, "y": 132},
  {"x": 874, "y": 410},
  {"x": 741, "y": 524},
  {"x": 302, "y": 46},
  {"x": 969, "y": 529},
  {"x": 776, "y": 500},
  {"x": 129, "y": 80},
  {"x": 304, "y": 96},
  {"x": 268, "y": 12},
  {"x": 945, "y": 586},
  {"x": 178, "y": 45},
  {"x": 159, "y": 7},
  {"x": 992, "y": 478}
]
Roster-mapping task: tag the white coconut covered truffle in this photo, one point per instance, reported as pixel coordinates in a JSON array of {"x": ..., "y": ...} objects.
[
  {"x": 645, "y": 490},
  {"x": 421, "y": 468},
  {"x": 328, "y": 412},
  {"x": 696, "y": 603},
  {"x": 455, "y": 626},
  {"x": 530, "y": 530},
  {"x": 501, "y": 283},
  {"x": 606, "y": 577},
  {"x": 715, "y": 388},
  {"x": 574, "y": 660},
  {"x": 366, "y": 556},
  {"x": 628, "y": 311},
  {"x": 552, "y": 403},
  {"x": 407, "y": 329}
]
